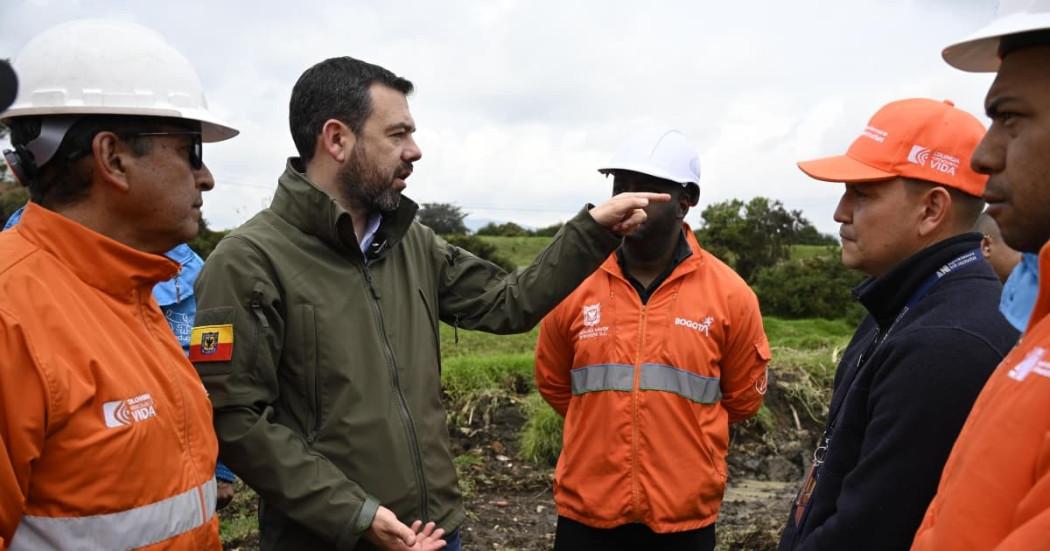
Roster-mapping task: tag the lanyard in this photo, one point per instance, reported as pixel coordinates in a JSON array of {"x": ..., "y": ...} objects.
[{"x": 962, "y": 261}]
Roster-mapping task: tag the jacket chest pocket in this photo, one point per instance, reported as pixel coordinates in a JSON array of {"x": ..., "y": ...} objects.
[
  {"x": 307, "y": 371},
  {"x": 694, "y": 339},
  {"x": 432, "y": 321}
]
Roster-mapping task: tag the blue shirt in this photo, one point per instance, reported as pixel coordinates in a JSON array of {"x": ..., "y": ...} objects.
[
  {"x": 176, "y": 301},
  {"x": 1020, "y": 291}
]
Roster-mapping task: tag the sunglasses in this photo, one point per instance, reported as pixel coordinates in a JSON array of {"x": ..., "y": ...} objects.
[{"x": 196, "y": 145}]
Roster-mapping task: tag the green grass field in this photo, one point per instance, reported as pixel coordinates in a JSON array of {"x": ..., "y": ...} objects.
[{"x": 519, "y": 250}]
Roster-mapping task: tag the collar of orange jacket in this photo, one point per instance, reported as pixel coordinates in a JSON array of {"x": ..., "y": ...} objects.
[
  {"x": 695, "y": 260},
  {"x": 95, "y": 259},
  {"x": 1042, "y": 304}
]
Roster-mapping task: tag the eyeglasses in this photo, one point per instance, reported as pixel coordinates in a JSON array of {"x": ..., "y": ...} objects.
[{"x": 196, "y": 145}]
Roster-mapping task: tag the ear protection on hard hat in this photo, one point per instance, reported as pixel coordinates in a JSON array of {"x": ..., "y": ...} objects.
[{"x": 25, "y": 160}]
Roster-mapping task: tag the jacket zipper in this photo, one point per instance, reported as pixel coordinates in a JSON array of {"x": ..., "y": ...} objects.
[
  {"x": 406, "y": 415},
  {"x": 635, "y": 485},
  {"x": 177, "y": 384}
]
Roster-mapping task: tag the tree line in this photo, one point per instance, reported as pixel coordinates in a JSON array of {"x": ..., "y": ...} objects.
[{"x": 756, "y": 238}]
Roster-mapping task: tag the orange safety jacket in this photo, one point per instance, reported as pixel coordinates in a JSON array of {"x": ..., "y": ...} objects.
[
  {"x": 995, "y": 488},
  {"x": 648, "y": 392},
  {"x": 106, "y": 438}
]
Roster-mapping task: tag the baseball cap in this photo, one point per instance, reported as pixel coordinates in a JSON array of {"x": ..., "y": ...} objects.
[{"x": 916, "y": 138}]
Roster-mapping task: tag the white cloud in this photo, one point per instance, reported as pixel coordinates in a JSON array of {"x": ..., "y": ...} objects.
[{"x": 518, "y": 102}]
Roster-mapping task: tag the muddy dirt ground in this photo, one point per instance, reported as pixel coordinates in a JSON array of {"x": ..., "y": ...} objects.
[{"x": 510, "y": 506}]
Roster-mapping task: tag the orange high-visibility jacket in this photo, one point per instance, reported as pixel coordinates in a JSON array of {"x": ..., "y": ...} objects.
[
  {"x": 995, "y": 488},
  {"x": 648, "y": 392},
  {"x": 106, "y": 438}
]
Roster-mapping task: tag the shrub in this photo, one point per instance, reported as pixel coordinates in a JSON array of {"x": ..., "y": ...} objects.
[
  {"x": 480, "y": 249},
  {"x": 818, "y": 287},
  {"x": 541, "y": 436}
]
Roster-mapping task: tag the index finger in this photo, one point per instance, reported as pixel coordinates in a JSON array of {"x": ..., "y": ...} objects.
[{"x": 653, "y": 197}]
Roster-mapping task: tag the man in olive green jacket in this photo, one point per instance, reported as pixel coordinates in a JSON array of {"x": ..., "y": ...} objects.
[{"x": 317, "y": 325}]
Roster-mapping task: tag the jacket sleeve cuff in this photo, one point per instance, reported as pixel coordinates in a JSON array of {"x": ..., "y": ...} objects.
[
  {"x": 603, "y": 237},
  {"x": 353, "y": 532}
]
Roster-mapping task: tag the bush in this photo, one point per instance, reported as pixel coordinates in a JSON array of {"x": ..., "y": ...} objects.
[
  {"x": 541, "y": 435},
  {"x": 506, "y": 229},
  {"x": 480, "y": 249},
  {"x": 818, "y": 287}
]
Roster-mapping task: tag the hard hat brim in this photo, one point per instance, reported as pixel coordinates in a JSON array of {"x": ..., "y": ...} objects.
[
  {"x": 651, "y": 171},
  {"x": 212, "y": 128},
  {"x": 842, "y": 168},
  {"x": 979, "y": 52}
]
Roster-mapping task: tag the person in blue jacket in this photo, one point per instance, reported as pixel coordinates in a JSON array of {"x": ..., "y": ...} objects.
[{"x": 176, "y": 301}]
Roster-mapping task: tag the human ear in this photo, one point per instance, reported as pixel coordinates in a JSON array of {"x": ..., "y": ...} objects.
[
  {"x": 336, "y": 140},
  {"x": 110, "y": 158},
  {"x": 936, "y": 208}
]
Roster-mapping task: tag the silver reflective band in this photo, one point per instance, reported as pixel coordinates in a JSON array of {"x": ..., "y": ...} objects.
[
  {"x": 665, "y": 378},
  {"x": 129, "y": 529},
  {"x": 594, "y": 378},
  {"x": 699, "y": 389}
]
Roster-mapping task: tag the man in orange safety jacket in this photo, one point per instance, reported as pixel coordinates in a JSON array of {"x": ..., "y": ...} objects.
[
  {"x": 994, "y": 491},
  {"x": 106, "y": 438},
  {"x": 649, "y": 360}
]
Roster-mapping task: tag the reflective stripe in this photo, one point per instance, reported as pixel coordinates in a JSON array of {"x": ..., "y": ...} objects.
[
  {"x": 702, "y": 390},
  {"x": 129, "y": 529},
  {"x": 620, "y": 377},
  {"x": 594, "y": 378}
]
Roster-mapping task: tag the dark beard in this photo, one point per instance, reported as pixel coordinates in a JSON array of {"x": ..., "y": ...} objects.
[{"x": 366, "y": 186}]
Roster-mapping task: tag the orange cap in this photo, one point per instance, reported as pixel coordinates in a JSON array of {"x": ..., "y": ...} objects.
[{"x": 918, "y": 138}]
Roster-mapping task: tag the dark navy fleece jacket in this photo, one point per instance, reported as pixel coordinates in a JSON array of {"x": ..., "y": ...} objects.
[{"x": 897, "y": 421}]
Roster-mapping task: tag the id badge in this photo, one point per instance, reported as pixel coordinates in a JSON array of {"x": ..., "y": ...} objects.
[{"x": 804, "y": 493}]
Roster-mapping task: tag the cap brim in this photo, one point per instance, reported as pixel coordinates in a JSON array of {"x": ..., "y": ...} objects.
[
  {"x": 979, "y": 52},
  {"x": 842, "y": 168}
]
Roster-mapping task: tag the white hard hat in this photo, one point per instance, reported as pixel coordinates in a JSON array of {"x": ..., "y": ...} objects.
[
  {"x": 979, "y": 52},
  {"x": 103, "y": 67},
  {"x": 662, "y": 153}
]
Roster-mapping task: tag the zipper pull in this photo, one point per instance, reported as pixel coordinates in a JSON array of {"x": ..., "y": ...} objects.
[
  {"x": 255, "y": 303},
  {"x": 371, "y": 282}
]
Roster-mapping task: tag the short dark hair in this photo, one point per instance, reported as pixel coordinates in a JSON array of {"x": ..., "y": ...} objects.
[
  {"x": 966, "y": 208},
  {"x": 336, "y": 88},
  {"x": 63, "y": 181}
]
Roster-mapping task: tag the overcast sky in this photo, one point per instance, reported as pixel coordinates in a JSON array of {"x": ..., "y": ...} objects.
[{"x": 517, "y": 102}]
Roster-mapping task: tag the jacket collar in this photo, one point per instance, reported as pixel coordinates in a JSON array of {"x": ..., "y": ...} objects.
[
  {"x": 692, "y": 262},
  {"x": 108, "y": 265},
  {"x": 306, "y": 207},
  {"x": 885, "y": 296}
]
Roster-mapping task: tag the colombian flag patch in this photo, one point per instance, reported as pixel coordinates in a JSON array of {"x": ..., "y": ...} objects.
[{"x": 211, "y": 343}]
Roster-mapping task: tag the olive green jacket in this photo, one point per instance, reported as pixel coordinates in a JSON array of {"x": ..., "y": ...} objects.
[{"x": 331, "y": 403}]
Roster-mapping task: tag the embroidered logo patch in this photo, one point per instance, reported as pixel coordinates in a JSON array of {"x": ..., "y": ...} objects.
[
  {"x": 212, "y": 343},
  {"x": 592, "y": 314},
  {"x": 592, "y": 317},
  {"x": 123, "y": 413}
]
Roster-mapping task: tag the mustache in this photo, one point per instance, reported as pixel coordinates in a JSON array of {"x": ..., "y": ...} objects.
[{"x": 403, "y": 171}]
